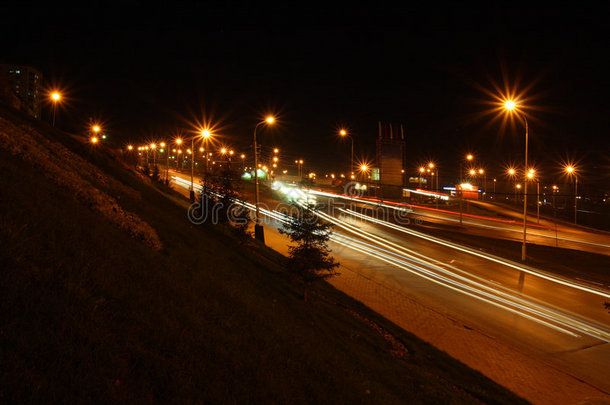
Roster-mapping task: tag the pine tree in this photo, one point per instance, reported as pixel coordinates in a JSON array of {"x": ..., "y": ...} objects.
[{"x": 309, "y": 260}]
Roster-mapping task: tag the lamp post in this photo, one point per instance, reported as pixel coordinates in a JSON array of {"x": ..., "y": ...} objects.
[
  {"x": 95, "y": 129},
  {"x": 178, "y": 142},
  {"x": 469, "y": 158},
  {"x": 258, "y": 228},
  {"x": 166, "y": 149},
  {"x": 511, "y": 175},
  {"x": 153, "y": 146},
  {"x": 344, "y": 134},
  {"x": 531, "y": 174},
  {"x": 434, "y": 173},
  {"x": 510, "y": 106},
  {"x": 55, "y": 98},
  {"x": 205, "y": 134},
  {"x": 484, "y": 173},
  {"x": 571, "y": 170}
]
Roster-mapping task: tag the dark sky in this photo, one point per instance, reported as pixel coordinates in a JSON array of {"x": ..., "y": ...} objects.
[{"x": 146, "y": 70}]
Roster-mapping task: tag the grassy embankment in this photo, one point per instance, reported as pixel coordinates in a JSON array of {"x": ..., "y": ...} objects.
[{"x": 110, "y": 294}]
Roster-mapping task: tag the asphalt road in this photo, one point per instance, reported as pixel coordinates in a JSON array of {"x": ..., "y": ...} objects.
[{"x": 560, "y": 320}]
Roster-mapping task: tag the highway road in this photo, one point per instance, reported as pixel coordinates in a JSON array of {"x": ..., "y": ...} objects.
[
  {"x": 506, "y": 224},
  {"x": 550, "y": 317}
]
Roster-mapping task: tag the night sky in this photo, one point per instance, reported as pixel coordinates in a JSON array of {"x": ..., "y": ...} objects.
[{"x": 146, "y": 71}]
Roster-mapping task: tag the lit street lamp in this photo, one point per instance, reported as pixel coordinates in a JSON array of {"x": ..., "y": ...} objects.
[
  {"x": 511, "y": 173},
  {"x": 258, "y": 228},
  {"x": 571, "y": 171},
  {"x": 531, "y": 174},
  {"x": 178, "y": 142},
  {"x": 344, "y": 134},
  {"x": 510, "y": 106},
  {"x": 95, "y": 129},
  {"x": 55, "y": 98}
]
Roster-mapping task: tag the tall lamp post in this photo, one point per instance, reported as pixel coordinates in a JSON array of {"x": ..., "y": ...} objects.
[
  {"x": 55, "y": 98},
  {"x": 258, "y": 228},
  {"x": 344, "y": 134},
  {"x": 510, "y": 106},
  {"x": 511, "y": 174},
  {"x": 205, "y": 134},
  {"x": 469, "y": 158},
  {"x": 166, "y": 150},
  {"x": 432, "y": 166},
  {"x": 571, "y": 170},
  {"x": 95, "y": 129}
]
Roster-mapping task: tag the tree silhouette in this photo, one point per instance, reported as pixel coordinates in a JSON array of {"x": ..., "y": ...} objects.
[{"x": 309, "y": 259}]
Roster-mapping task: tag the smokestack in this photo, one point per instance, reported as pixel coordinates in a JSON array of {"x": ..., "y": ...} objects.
[{"x": 379, "y": 129}]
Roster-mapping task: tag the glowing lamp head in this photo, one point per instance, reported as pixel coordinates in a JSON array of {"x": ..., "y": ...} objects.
[
  {"x": 364, "y": 168},
  {"x": 223, "y": 151},
  {"x": 511, "y": 171},
  {"x": 55, "y": 96},
  {"x": 510, "y": 105},
  {"x": 129, "y": 147},
  {"x": 469, "y": 157},
  {"x": 162, "y": 144},
  {"x": 96, "y": 128},
  {"x": 481, "y": 171},
  {"x": 205, "y": 133},
  {"x": 178, "y": 141},
  {"x": 94, "y": 139},
  {"x": 570, "y": 169},
  {"x": 270, "y": 120},
  {"x": 343, "y": 132},
  {"x": 431, "y": 165}
]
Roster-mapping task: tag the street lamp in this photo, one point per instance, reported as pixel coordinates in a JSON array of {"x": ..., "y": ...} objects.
[
  {"x": 511, "y": 173},
  {"x": 258, "y": 228},
  {"x": 153, "y": 146},
  {"x": 484, "y": 174},
  {"x": 431, "y": 165},
  {"x": 55, "y": 98},
  {"x": 531, "y": 174},
  {"x": 205, "y": 134},
  {"x": 299, "y": 164},
  {"x": 510, "y": 106},
  {"x": 344, "y": 134},
  {"x": 178, "y": 141},
  {"x": 571, "y": 171}
]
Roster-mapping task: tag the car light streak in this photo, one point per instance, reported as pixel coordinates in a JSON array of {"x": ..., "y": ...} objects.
[
  {"x": 445, "y": 282},
  {"x": 476, "y": 290},
  {"x": 483, "y": 292},
  {"x": 410, "y": 208},
  {"x": 516, "y": 266}
]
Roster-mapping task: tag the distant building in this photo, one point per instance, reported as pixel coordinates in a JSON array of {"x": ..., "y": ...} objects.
[
  {"x": 21, "y": 87},
  {"x": 391, "y": 154}
]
